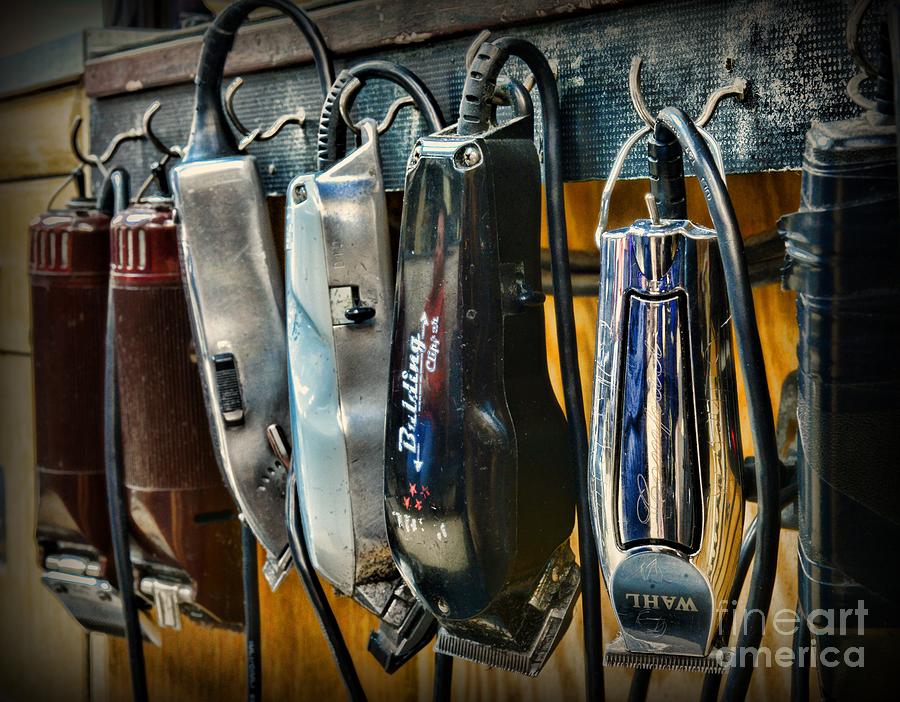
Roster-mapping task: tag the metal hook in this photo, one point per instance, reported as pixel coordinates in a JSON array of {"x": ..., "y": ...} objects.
[
  {"x": 158, "y": 169},
  {"x": 99, "y": 162},
  {"x": 147, "y": 124},
  {"x": 737, "y": 89},
  {"x": 348, "y": 95},
  {"x": 297, "y": 117}
]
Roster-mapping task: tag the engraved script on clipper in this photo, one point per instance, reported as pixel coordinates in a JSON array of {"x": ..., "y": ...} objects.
[{"x": 665, "y": 462}]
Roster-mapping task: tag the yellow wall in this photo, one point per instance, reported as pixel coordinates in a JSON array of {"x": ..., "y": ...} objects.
[{"x": 44, "y": 651}]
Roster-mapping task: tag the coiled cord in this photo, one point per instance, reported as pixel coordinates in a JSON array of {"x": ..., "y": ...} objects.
[{"x": 330, "y": 142}]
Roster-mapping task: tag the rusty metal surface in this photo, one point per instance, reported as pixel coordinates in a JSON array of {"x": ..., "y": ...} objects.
[
  {"x": 792, "y": 53},
  {"x": 181, "y": 514}
]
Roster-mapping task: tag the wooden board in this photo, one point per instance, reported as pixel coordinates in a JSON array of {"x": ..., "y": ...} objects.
[
  {"x": 34, "y": 133},
  {"x": 347, "y": 27},
  {"x": 200, "y": 664},
  {"x": 44, "y": 649},
  {"x": 19, "y": 202}
]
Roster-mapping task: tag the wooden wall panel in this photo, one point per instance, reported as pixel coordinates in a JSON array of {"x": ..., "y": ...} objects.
[
  {"x": 34, "y": 133},
  {"x": 19, "y": 202},
  {"x": 34, "y": 627},
  {"x": 205, "y": 665}
]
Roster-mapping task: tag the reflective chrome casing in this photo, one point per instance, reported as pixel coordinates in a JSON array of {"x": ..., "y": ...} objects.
[
  {"x": 340, "y": 286},
  {"x": 338, "y": 256},
  {"x": 478, "y": 479},
  {"x": 236, "y": 299},
  {"x": 665, "y": 461}
]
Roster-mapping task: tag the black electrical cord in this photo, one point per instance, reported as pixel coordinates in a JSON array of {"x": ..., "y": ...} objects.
[
  {"x": 475, "y": 114},
  {"x": 711, "y": 681},
  {"x": 799, "y": 671},
  {"x": 640, "y": 684},
  {"x": 210, "y": 136},
  {"x": 313, "y": 587},
  {"x": 331, "y": 126},
  {"x": 113, "y": 193},
  {"x": 443, "y": 677},
  {"x": 762, "y": 423},
  {"x": 252, "y": 636}
]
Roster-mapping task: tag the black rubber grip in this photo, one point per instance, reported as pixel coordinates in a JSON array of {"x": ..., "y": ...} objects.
[
  {"x": 665, "y": 161},
  {"x": 476, "y": 105}
]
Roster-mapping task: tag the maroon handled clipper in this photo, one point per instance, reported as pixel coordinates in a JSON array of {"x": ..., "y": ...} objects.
[
  {"x": 185, "y": 537},
  {"x": 69, "y": 268}
]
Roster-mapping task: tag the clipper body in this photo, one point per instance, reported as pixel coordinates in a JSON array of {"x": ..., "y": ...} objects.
[
  {"x": 235, "y": 297},
  {"x": 665, "y": 453},
  {"x": 69, "y": 267},
  {"x": 340, "y": 286},
  {"x": 185, "y": 537},
  {"x": 478, "y": 489}
]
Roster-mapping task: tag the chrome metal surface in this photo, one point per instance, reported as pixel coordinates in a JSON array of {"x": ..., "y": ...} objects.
[
  {"x": 94, "y": 602},
  {"x": 665, "y": 460},
  {"x": 338, "y": 254},
  {"x": 167, "y": 597},
  {"x": 236, "y": 300}
]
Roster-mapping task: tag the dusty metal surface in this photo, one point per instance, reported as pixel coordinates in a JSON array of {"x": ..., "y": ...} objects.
[{"x": 791, "y": 52}]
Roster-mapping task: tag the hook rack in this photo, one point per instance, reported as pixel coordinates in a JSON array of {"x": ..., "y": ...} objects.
[
  {"x": 737, "y": 88},
  {"x": 158, "y": 169},
  {"x": 348, "y": 95},
  {"x": 92, "y": 160},
  {"x": 298, "y": 117}
]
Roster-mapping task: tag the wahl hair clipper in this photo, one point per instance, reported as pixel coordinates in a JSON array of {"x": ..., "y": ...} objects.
[
  {"x": 666, "y": 455},
  {"x": 340, "y": 287},
  {"x": 478, "y": 481},
  {"x": 235, "y": 289}
]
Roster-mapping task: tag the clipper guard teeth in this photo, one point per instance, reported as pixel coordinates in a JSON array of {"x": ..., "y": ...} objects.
[
  {"x": 717, "y": 661},
  {"x": 526, "y": 648}
]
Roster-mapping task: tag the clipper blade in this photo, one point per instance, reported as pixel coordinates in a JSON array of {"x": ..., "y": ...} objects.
[
  {"x": 551, "y": 607},
  {"x": 717, "y": 661}
]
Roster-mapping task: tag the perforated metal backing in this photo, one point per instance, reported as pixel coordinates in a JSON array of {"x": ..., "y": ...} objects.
[{"x": 792, "y": 53}]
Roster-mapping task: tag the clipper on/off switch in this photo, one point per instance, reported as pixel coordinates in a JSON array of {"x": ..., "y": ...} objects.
[{"x": 228, "y": 386}]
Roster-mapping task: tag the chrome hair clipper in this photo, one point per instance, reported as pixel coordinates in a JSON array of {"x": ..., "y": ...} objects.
[
  {"x": 184, "y": 534},
  {"x": 340, "y": 286},
  {"x": 666, "y": 458},
  {"x": 478, "y": 478},
  {"x": 235, "y": 289}
]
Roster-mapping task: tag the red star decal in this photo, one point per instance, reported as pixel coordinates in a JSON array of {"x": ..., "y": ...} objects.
[
  {"x": 412, "y": 489},
  {"x": 419, "y": 505},
  {"x": 406, "y": 502},
  {"x": 426, "y": 491}
]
